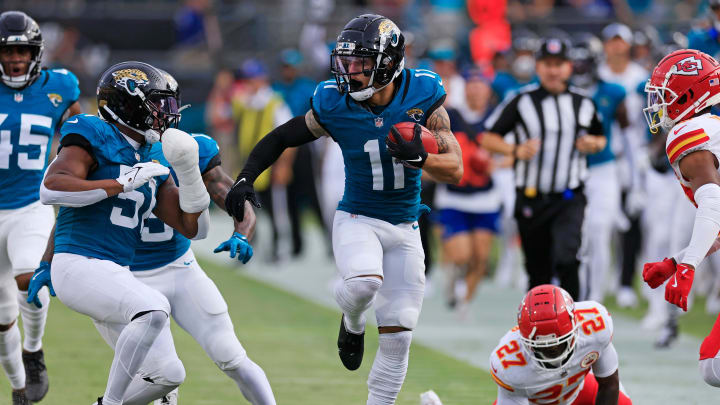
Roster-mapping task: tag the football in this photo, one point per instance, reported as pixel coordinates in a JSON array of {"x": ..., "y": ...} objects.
[{"x": 406, "y": 131}]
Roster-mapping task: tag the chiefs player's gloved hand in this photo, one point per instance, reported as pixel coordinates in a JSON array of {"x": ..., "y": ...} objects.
[
  {"x": 235, "y": 200},
  {"x": 678, "y": 288},
  {"x": 411, "y": 153},
  {"x": 656, "y": 273}
]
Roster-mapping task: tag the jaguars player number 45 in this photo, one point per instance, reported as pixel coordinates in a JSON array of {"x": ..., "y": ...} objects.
[
  {"x": 376, "y": 242},
  {"x": 33, "y": 104}
]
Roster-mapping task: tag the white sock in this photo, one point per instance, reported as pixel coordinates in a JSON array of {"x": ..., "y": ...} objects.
[
  {"x": 389, "y": 368},
  {"x": 131, "y": 348},
  {"x": 11, "y": 357},
  {"x": 355, "y": 296},
  {"x": 252, "y": 382},
  {"x": 141, "y": 392},
  {"x": 33, "y": 319}
]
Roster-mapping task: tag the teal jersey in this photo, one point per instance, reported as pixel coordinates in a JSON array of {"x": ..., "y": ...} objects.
[
  {"x": 375, "y": 186},
  {"x": 108, "y": 229},
  {"x": 28, "y": 120},
  {"x": 607, "y": 98},
  {"x": 161, "y": 244}
]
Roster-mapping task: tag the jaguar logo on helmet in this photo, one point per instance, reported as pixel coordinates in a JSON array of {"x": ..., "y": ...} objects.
[
  {"x": 389, "y": 30},
  {"x": 415, "y": 113},
  {"x": 130, "y": 79},
  {"x": 690, "y": 66}
]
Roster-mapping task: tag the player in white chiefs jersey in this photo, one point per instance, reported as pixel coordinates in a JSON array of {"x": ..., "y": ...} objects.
[
  {"x": 681, "y": 90},
  {"x": 560, "y": 352}
]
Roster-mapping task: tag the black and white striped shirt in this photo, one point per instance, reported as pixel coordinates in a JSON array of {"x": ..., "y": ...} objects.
[{"x": 557, "y": 120}]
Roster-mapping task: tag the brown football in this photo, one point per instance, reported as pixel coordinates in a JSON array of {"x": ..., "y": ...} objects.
[{"x": 406, "y": 131}]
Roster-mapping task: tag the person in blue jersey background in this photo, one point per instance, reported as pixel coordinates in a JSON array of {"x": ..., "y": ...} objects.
[
  {"x": 109, "y": 175},
  {"x": 603, "y": 184},
  {"x": 34, "y": 102},
  {"x": 376, "y": 242}
]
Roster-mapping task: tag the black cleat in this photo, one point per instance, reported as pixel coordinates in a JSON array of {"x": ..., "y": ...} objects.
[
  {"x": 37, "y": 383},
  {"x": 668, "y": 336},
  {"x": 350, "y": 347},
  {"x": 19, "y": 398},
  {"x": 99, "y": 401}
]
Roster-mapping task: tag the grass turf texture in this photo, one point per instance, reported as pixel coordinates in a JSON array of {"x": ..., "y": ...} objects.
[{"x": 293, "y": 340}]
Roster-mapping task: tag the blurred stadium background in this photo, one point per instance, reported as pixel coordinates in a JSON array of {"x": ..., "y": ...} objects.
[{"x": 225, "y": 53}]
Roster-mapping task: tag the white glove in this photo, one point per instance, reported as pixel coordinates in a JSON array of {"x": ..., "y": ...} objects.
[
  {"x": 429, "y": 398},
  {"x": 181, "y": 150},
  {"x": 140, "y": 174}
]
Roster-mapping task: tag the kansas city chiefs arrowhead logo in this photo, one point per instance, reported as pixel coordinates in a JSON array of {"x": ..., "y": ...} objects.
[{"x": 689, "y": 66}]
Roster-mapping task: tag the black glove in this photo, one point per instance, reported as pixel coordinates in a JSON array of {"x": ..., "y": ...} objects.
[
  {"x": 235, "y": 200},
  {"x": 410, "y": 153}
]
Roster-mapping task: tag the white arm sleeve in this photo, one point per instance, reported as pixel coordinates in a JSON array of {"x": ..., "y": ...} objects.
[
  {"x": 71, "y": 198},
  {"x": 181, "y": 150},
  {"x": 203, "y": 225},
  {"x": 707, "y": 224},
  {"x": 506, "y": 397},
  {"x": 607, "y": 363}
]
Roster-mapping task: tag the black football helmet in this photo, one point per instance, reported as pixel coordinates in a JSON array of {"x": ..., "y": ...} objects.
[
  {"x": 17, "y": 29},
  {"x": 372, "y": 45},
  {"x": 585, "y": 55},
  {"x": 141, "y": 97}
]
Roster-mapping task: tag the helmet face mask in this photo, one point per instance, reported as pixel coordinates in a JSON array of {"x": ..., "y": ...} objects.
[
  {"x": 370, "y": 46},
  {"x": 140, "y": 97},
  {"x": 17, "y": 29}
]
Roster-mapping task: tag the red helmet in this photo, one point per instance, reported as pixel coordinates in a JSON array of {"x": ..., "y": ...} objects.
[
  {"x": 548, "y": 330},
  {"x": 684, "y": 83}
]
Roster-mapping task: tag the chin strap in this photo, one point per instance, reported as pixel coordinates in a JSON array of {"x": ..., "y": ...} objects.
[{"x": 151, "y": 135}]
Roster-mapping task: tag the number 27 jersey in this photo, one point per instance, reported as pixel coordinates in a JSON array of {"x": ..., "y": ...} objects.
[{"x": 376, "y": 186}]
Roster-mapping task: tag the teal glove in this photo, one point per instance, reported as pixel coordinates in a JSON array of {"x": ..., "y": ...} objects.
[
  {"x": 237, "y": 244},
  {"x": 40, "y": 279}
]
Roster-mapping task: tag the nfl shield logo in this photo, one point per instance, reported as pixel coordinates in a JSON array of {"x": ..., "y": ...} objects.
[
  {"x": 137, "y": 156},
  {"x": 378, "y": 122},
  {"x": 18, "y": 97}
]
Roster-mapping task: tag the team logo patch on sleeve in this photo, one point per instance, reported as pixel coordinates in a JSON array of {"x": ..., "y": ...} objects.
[
  {"x": 55, "y": 99},
  {"x": 415, "y": 113},
  {"x": 589, "y": 359},
  {"x": 685, "y": 142}
]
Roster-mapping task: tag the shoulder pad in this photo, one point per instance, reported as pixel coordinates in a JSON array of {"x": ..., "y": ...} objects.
[
  {"x": 65, "y": 82},
  {"x": 89, "y": 126},
  {"x": 594, "y": 323},
  {"x": 507, "y": 360},
  {"x": 689, "y": 136},
  {"x": 207, "y": 146},
  {"x": 326, "y": 97}
]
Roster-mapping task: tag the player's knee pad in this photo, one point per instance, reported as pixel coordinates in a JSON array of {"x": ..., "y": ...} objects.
[
  {"x": 710, "y": 371},
  {"x": 9, "y": 310},
  {"x": 225, "y": 350},
  {"x": 398, "y": 307},
  {"x": 357, "y": 294},
  {"x": 172, "y": 372}
]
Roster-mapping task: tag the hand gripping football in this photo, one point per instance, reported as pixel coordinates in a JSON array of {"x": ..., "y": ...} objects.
[{"x": 406, "y": 130}]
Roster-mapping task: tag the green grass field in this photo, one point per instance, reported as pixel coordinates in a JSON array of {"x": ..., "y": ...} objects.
[{"x": 292, "y": 339}]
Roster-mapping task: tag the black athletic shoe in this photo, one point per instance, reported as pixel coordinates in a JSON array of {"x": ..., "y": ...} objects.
[
  {"x": 350, "y": 347},
  {"x": 36, "y": 384},
  {"x": 668, "y": 336},
  {"x": 99, "y": 401},
  {"x": 19, "y": 398}
]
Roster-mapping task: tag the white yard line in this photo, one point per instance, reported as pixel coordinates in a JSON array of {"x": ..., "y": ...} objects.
[{"x": 648, "y": 375}]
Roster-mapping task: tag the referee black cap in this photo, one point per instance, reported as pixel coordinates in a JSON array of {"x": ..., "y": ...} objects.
[{"x": 553, "y": 47}]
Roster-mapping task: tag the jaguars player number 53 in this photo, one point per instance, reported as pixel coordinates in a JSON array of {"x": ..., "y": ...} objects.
[{"x": 376, "y": 242}]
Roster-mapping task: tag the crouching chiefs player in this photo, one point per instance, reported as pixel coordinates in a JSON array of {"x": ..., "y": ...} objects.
[{"x": 560, "y": 352}]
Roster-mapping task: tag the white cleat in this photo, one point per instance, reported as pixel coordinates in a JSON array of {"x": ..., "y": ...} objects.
[
  {"x": 429, "y": 398},
  {"x": 170, "y": 399}
]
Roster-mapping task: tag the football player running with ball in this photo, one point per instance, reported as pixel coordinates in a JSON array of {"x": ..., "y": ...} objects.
[
  {"x": 34, "y": 103},
  {"x": 560, "y": 352},
  {"x": 376, "y": 242},
  {"x": 165, "y": 262},
  {"x": 107, "y": 180},
  {"x": 682, "y": 88}
]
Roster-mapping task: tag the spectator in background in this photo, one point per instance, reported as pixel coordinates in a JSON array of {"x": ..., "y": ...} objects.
[
  {"x": 522, "y": 65},
  {"x": 302, "y": 189},
  {"x": 219, "y": 115},
  {"x": 197, "y": 34},
  {"x": 706, "y": 38},
  {"x": 443, "y": 54},
  {"x": 257, "y": 111},
  {"x": 630, "y": 150},
  {"x": 469, "y": 212}
]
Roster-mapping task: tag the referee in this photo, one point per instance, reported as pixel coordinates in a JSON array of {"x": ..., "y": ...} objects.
[{"x": 549, "y": 129}]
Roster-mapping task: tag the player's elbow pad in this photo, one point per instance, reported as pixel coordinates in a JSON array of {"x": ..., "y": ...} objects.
[
  {"x": 203, "y": 222},
  {"x": 707, "y": 223},
  {"x": 71, "y": 198}
]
